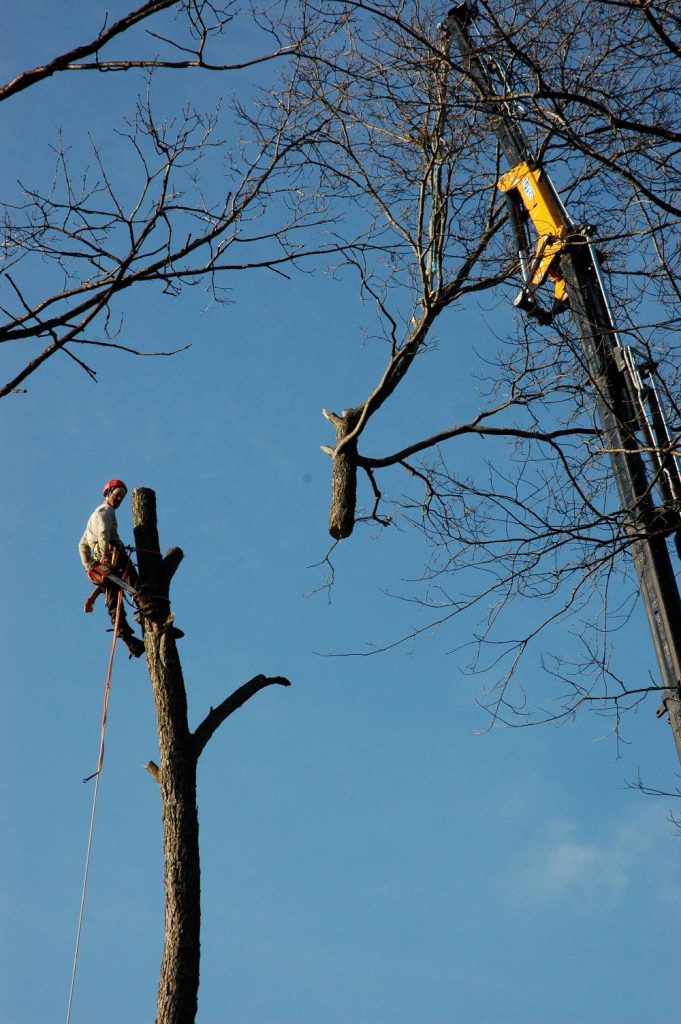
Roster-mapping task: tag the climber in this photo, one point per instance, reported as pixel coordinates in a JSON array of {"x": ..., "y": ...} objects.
[{"x": 102, "y": 554}]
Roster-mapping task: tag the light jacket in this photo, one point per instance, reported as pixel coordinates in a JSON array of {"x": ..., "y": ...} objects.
[{"x": 100, "y": 533}]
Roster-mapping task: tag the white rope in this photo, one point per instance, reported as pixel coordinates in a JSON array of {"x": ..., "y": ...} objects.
[{"x": 82, "y": 901}]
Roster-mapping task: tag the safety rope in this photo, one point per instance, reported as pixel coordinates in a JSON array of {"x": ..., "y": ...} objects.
[{"x": 95, "y": 775}]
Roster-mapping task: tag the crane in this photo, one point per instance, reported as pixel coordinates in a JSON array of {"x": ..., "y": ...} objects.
[{"x": 629, "y": 410}]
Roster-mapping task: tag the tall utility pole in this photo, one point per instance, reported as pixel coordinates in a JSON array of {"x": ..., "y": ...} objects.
[{"x": 622, "y": 380}]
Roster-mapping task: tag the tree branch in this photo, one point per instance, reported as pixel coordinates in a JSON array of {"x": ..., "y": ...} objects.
[
  {"x": 549, "y": 437},
  {"x": 171, "y": 562},
  {"x": 216, "y": 716},
  {"x": 61, "y": 63}
]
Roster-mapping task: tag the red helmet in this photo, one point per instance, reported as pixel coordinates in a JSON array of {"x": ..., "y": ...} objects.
[{"x": 111, "y": 485}]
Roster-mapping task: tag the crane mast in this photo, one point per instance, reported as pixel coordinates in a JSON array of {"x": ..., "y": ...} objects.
[{"x": 622, "y": 379}]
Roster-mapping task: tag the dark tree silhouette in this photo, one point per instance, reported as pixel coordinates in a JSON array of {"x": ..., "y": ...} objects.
[
  {"x": 146, "y": 218},
  {"x": 406, "y": 147}
]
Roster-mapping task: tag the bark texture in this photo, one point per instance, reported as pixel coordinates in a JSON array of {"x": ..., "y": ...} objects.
[
  {"x": 176, "y": 775},
  {"x": 344, "y": 475}
]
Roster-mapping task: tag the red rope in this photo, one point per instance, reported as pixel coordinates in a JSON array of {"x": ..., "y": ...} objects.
[
  {"x": 107, "y": 685},
  {"x": 107, "y": 689}
]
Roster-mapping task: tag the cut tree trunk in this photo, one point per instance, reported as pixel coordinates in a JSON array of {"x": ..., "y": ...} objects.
[
  {"x": 343, "y": 475},
  {"x": 180, "y": 750},
  {"x": 176, "y": 775}
]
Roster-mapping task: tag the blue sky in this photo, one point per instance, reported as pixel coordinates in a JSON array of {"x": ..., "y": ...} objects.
[{"x": 371, "y": 855}]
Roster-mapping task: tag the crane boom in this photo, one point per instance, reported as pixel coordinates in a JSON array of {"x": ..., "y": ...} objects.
[{"x": 629, "y": 410}]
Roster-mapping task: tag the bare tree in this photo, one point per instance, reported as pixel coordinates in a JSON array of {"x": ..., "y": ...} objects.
[
  {"x": 179, "y": 750},
  {"x": 407, "y": 147},
  {"x": 93, "y": 235}
]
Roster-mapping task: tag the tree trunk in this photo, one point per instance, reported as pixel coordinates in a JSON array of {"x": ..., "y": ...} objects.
[
  {"x": 176, "y": 775},
  {"x": 179, "y": 979},
  {"x": 344, "y": 475},
  {"x": 180, "y": 750}
]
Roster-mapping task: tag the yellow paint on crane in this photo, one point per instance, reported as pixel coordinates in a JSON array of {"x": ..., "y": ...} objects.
[{"x": 548, "y": 221}]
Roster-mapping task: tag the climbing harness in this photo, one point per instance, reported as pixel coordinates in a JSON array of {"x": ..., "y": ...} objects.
[{"x": 95, "y": 775}]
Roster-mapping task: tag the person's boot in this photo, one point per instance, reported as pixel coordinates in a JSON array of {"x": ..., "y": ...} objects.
[
  {"x": 132, "y": 642},
  {"x": 134, "y": 645}
]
